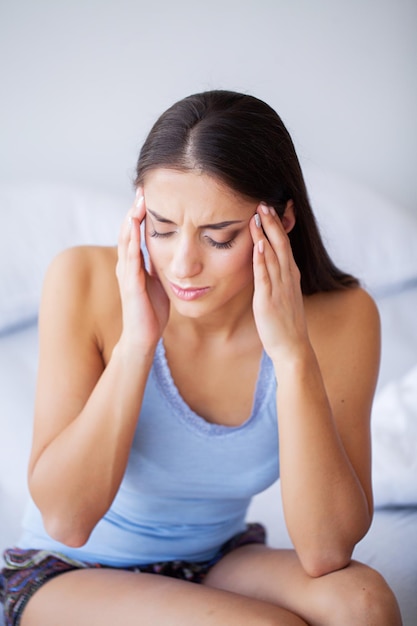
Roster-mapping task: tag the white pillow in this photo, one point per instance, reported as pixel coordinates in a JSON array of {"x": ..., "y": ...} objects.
[
  {"x": 399, "y": 334},
  {"x": 37, "y": 221},
  {"x": 365, "y": 234},
  {"x": 394, "y": 441}
]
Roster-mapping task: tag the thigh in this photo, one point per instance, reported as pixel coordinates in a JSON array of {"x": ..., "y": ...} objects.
[
  {"x": 106, "y": 597},
  {"x": 356, "y": 594}
]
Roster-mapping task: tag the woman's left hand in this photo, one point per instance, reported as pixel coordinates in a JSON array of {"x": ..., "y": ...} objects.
[{"x": 278, "y": 302}]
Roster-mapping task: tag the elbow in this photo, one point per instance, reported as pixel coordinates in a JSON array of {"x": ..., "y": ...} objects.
[
  {"x": 64, "y": 525},
  {"x": 71, "y": 535},
  {"x": 321, "y": 563},
  {"x": 324, "y": 556}
]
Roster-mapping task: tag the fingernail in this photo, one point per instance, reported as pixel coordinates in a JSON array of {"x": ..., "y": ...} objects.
[
  {"x": 257, "y": 220},
  {"x": 139, "y": 201},
  {"x": 264, "y": 208},
  {"x": 272, "y": 211}
]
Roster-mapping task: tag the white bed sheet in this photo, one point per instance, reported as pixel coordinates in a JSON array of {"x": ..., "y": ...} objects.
[{"x": 18, "y": 361}]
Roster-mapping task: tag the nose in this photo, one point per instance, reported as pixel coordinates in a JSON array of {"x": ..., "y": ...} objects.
[{"x": 186, "y": 261}]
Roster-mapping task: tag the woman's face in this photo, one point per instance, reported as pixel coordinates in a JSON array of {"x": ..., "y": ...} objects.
[{"x": 198, "y": 239}]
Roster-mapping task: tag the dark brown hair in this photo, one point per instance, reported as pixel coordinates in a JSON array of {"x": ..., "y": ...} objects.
[{"x": 241, "y": 141}]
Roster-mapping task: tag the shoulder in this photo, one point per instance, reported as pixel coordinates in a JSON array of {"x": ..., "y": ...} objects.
[
  {"x": 81, "y": 269},
  {"x": 344, "y": 329},
  {"x": 344, "y": 310},
  {"x": 80, "y": 286},
  {"x": 82, "y": 262}
]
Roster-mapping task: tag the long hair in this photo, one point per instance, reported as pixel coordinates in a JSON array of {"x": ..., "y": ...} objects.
[{"x": 241, "y": 141}]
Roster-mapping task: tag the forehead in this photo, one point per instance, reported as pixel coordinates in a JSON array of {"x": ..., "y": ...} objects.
[{"x": 195, "y": 195}]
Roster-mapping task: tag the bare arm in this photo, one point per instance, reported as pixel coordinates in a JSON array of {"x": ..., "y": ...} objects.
[
  {"x": 86, "y": 411},
  {"x": 324, "y": 410},
  {"x": 326, "y": 375}
]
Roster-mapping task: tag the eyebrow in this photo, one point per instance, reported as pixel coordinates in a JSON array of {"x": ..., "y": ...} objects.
[{"x": 217, "y": 226}]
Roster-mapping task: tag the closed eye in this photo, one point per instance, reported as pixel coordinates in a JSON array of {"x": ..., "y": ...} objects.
[
  {"x": 154, "y": 233},
  {"x": 221, "y": 245}
]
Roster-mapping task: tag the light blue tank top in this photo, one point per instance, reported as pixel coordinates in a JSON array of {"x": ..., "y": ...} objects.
[{"x": 188, "y": 483}]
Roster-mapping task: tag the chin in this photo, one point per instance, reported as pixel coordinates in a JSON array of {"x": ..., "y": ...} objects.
[{"x": 192, "y": 310}]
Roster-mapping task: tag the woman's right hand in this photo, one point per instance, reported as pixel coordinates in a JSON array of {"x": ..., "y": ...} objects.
[{"x": 145, "y": 305}]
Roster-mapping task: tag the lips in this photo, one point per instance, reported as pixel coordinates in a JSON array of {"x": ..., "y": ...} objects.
[{"x": 189, "y": 293}]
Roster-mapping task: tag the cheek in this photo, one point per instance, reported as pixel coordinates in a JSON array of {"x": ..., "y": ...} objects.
[
  {"x": 157, "y": 248},
  {"x": 244, "y": 252},
  {"x": 239, "y": 260}
]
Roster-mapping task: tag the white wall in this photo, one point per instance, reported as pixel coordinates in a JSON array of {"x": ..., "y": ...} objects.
[{"x": 82, "y": 80}]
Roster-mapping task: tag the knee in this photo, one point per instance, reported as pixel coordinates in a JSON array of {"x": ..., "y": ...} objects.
[
  {"x": 377, "y": 603},
  {"x": 367, "y": 599}
]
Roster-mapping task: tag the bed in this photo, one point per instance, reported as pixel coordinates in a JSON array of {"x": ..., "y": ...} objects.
[{"x": 366, "y": 234}]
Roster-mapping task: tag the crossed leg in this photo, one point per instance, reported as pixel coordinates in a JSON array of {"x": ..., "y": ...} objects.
[
  {"x": 355, "y": 595},
  {"x": 251, "y": 586},
  {"x": 105, "y": 597}
]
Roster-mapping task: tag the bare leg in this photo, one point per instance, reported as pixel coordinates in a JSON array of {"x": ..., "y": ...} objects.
[
  {"x": 107, "y": 597},
  {"x": 355, "y": 595}
]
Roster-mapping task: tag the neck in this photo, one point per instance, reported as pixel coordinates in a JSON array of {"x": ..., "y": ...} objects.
[{"x": 222, "y": 325}]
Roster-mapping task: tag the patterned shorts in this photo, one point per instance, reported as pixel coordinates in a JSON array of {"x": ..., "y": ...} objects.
[{"x": 26, "y": 571}]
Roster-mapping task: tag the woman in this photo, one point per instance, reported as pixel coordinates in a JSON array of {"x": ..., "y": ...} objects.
[{"x": 169, "y": 373}]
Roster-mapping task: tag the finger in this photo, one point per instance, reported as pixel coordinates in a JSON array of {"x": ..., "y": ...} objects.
[
  {"x": 127, "y": 230},
  {"x": 122, "y": 243},
  {"x": 255, "y": 227},
  {"x": 277, "y": 237},
  {"x": 137, "y": 216},
  {"x": 139, "y": 209},
  {"x": 133, "y": 246},
  {"x": 259, "y": 237},
  {"x": 260, "y": 269},
  {"x": 136, "y": 210},
  {"x": 124, "y": 233}
]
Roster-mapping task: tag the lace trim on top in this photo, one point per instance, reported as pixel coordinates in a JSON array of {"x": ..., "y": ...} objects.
[{"x": 265, "y": 384}]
